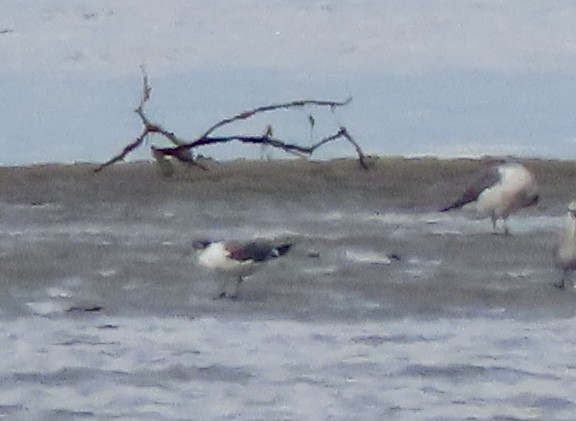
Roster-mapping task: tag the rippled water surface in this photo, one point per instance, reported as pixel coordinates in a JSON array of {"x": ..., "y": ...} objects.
[
  {"x": 377, "y": 313},
  {"x": 211, "y": 368}
]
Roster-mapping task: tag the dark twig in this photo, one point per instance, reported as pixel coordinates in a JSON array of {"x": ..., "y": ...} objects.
[
  {"x": 129, "y": 148},
  {"x": 276, "y": 143},
  {"x": 183, "y": 150},
  {"x": 294, "y": 104}
]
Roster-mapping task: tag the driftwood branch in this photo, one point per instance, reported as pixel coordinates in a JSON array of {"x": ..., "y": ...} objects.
[
  {"x": 294, "y": 104},
  {"x": 266, "y": 140},
  {"x": 182, "y": 150}
]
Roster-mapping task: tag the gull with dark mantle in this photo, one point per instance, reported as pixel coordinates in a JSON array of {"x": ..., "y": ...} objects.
[
  {"x": 240, "y": 259},
  {"x": 565, "y": 252},
  {"x": 498, "y": 192}
]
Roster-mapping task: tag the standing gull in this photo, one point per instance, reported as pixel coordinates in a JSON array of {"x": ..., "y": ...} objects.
[
  {"x": 565, "y": 252},
  {"x": 239, "y": 259},
  {"x": 499, "y": 191}
]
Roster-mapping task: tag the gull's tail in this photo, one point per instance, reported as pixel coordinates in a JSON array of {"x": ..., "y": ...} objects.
[
  {"x": 455, "y": 205},
  {"x": 282, "y": 249}
]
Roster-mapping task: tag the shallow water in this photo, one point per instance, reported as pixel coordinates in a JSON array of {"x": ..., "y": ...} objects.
[
  {"x": 219, "y": 368},
  {"x": 377, "y": 313}
]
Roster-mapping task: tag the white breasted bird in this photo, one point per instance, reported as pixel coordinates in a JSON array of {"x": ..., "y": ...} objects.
[
  {"x": 565, "y": 252},
  {"x": 240, "y": 259},
  {"x": 498, "y": 192}
]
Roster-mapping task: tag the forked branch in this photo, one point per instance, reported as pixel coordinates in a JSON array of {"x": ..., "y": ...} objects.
[{"x": 183, "y": 150}]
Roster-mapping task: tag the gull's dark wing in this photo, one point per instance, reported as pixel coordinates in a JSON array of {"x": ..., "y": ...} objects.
[
  {"x": 485, "y": 180},
  {"x": 256, "y": 251}
]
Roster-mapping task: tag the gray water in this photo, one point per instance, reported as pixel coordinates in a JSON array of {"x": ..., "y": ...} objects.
[{"x": 375, "y": 314}]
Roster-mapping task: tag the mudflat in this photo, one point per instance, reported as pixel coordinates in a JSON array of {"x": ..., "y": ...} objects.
[
  {"x": 391, "y": 182},
  {"x": 123, "y": 237}
]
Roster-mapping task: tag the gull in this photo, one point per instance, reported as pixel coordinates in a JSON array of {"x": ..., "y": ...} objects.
[
  {"x": 565, "y": 252},
  {"x": 498, "y": 192},
  {"x": 241, "y": 259}
]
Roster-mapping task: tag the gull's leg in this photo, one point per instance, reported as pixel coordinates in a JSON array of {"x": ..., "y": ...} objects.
[
  {"x": 506, "y": 230},
  {"x": 562, "y": 283},
  {"x": 493, "y": 218},
  {"x": 223, "y": 288},
  {"x": 568, "y": 282},
  {"x": 234, "y": 295},
  {"x": 495, "y": 225}
]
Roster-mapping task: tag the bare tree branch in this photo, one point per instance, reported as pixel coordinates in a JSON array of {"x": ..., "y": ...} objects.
[
  {"x": 127, "y": 149},
  {"x": 183, "y": 150},
  {"x": 276, "y": 143},
  {"x": 149, "y": 128},
  {"x": 294, "y": 104}
]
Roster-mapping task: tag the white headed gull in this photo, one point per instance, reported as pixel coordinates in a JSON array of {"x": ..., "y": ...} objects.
[
  {"x": 500, "y": 191},
  {"x": 565, "y": 252},
  {"x": 238, "y": 258}
]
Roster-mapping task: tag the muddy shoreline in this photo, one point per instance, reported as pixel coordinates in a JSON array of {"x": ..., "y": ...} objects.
[
  {"x": 120, "y": 239},
  {"x": 418, "y": 183}
]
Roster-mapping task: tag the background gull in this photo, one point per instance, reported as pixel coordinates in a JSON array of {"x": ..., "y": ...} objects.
[
  {"x": 565, "y": 252},
  {"x": 498, "y": 192}
]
